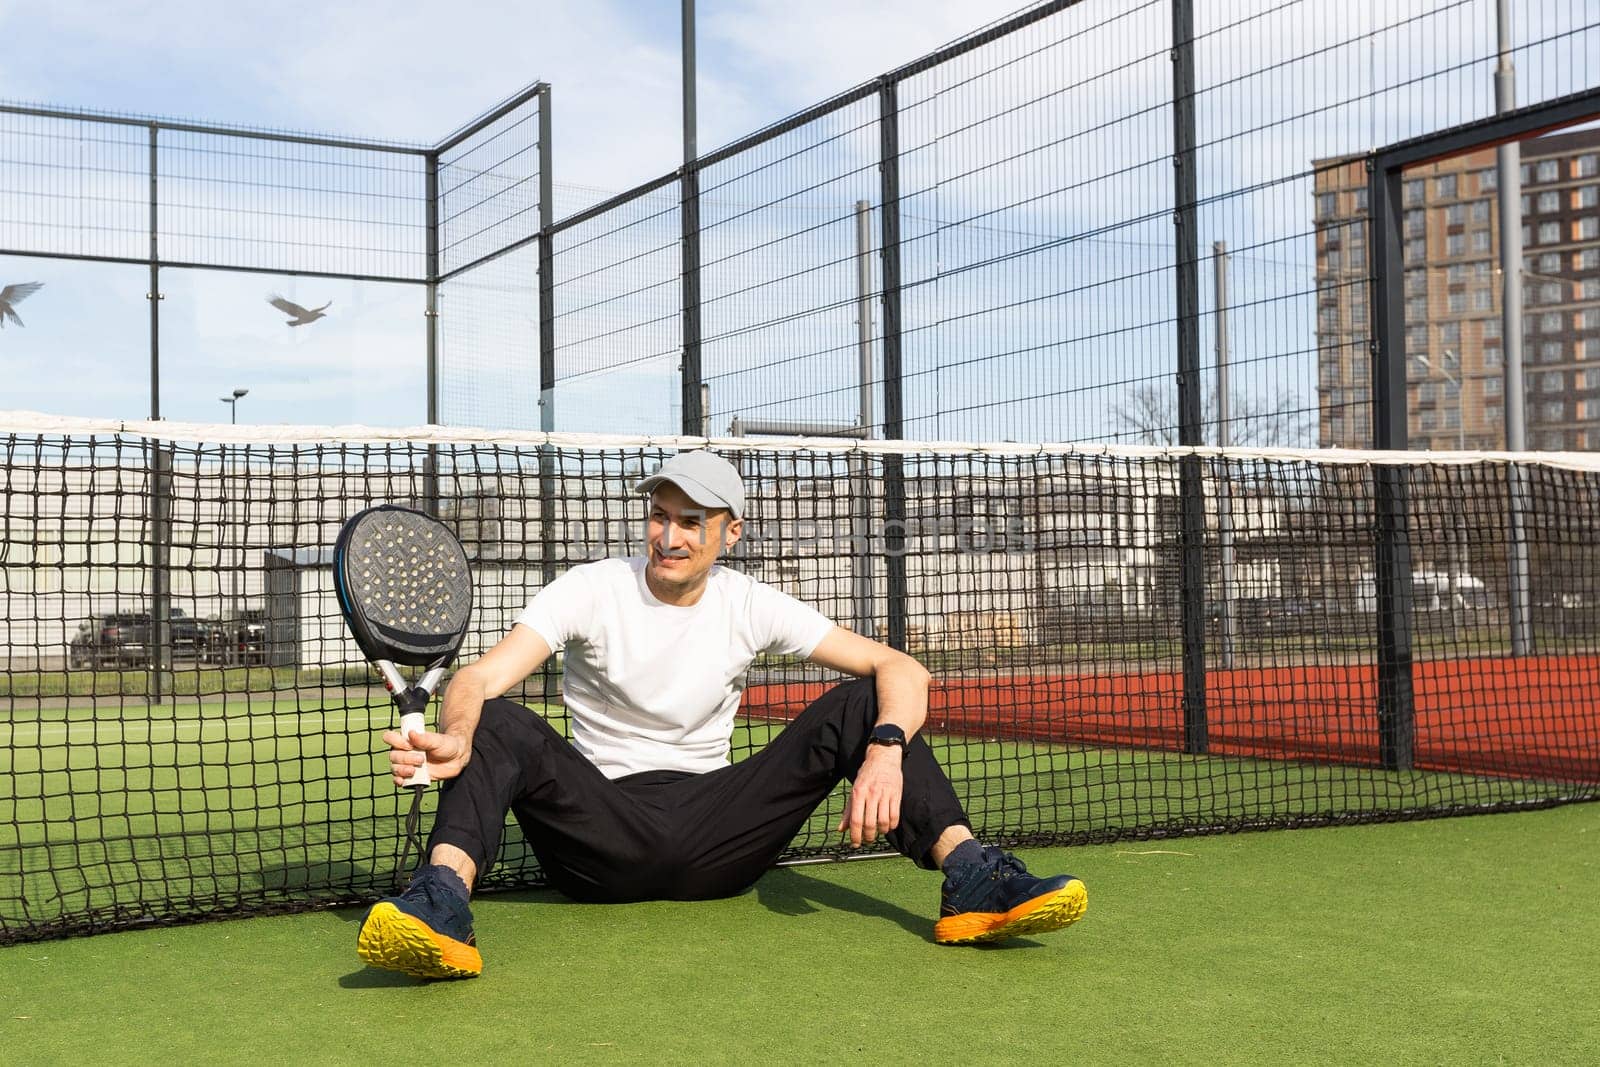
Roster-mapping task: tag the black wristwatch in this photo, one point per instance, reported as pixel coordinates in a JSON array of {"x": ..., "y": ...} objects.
[{"x": 888, "y": 735}]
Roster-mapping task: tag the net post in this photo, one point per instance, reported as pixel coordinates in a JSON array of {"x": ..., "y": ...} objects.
[
  {"x": 547, "y": 367},
  {"x": 894, "y": 486},
  {"x": 1191, "y": 471},
  {"x": 1396, "y": 708}
]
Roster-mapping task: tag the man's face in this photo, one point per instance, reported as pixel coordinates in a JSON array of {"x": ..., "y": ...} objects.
[{"x": 685, "y": 539}]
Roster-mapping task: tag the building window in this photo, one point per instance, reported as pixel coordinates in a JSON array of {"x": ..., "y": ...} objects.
[
  {"x": 1429, "y": 419},
  {"x": 1480, "y": 211},
  {"x": 1449, "y": 333},
  {"x": 1334, "y": 260},
  {"x": 1455, "y": 215},
  {"x": 1327, "y": 204},
  {"x": 1527, "y": 204},
  {"x": 1457, "y": 303},
  {"x": 1549, "y": 170},
  {"x": 1550, "y": 322},
  {"x": 1328, "y": 319},
  {"x": 1417, "y": 282},
  {"x": 1488, "y": 180},
  {"x": 1455, "y": 244},
  {"x": 1550, "y": 351},
  {"x": 1588, "y": 196},
  {"x": 1550, "y": 263},
  {"x": 1550, "y": 292},
  {"x": 1491, "y": 329},
  {"x": 1549, "y": 201},
  {"x": 1491, "y": 358},
  {"x": 1452, "y": 417},
  {"x": 1361, "y": 200},
  {"x": 1589, "y": 289},
  {"x": 1554, "y": 382},
  {"x": 1428, "y": 392},
  {"x": 1415, "y": 223},
  {"x": 1527, "y": 235},
  {"x": 1416, "y": 250},
  {"x": 1586, "y": 165},
  {"x": 1417, "y": 309},
  {"x": 1588, "y": 228},
  {"x": 1482, "y": 299},
  {"x": 1416, "y": 370},
  {"x": 1411, "y": 192},
  {"x": 1586, "y": 320},
  {"x": 1549, "y": 232},
  {"x": 1444, "y": 185},
  {"x": 1587, "y": 259},
  {"x": 1481, "y": 271},
  {"x": 1491, "y": 387}
]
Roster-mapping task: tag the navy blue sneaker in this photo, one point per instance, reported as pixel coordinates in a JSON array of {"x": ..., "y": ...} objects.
[
  {"x": 426, "y": 931},
  {"x": 988, "y": 895}
]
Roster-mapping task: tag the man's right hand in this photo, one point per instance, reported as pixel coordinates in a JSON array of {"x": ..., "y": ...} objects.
[{"x": 446, "y": 754}]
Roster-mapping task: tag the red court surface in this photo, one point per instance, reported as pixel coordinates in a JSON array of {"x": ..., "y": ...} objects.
[{"x": 1534, "y": 717}]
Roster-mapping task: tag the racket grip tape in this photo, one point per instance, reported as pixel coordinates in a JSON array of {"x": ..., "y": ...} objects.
[{"x": 414, "y": 722}]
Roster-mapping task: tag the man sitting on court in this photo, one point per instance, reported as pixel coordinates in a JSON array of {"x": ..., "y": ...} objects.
[{"x": 643, "y": 803}]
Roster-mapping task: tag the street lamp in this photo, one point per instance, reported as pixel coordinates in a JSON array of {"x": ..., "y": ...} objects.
[
  {"x": 227, "y": 516},
  {"x": 1453, "y": 379},
  {"x": 1457, "y": 564},
  {"x": 233, "y": 404}
]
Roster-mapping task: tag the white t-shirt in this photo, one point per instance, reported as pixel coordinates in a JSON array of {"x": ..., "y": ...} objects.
[{"x": 651, "y": 686}]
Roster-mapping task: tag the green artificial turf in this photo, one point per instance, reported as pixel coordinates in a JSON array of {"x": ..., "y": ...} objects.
[
  {"x": 1453, "y": 941},
  {"x": 118, "y": 812}
]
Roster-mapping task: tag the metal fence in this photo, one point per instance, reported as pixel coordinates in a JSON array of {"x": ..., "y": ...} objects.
[
  {"x": 1010, "y": 238},
  {"x": 208, "y": 225}
]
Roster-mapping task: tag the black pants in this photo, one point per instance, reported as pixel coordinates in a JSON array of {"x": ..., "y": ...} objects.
[{"x": 668, "y": 834}]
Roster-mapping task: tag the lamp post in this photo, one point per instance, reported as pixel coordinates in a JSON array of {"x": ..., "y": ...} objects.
[
  {"x": 1457, "y": 564},
  {"x": 233, "y": 405},
  {"x": 1455, "y": 380},
  {"x": 233, "y": 420}
]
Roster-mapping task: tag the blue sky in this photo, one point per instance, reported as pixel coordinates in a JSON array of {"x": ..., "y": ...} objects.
[{"x": 403, "y": 71}]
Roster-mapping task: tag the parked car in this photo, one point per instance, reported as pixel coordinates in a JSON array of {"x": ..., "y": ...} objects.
[
  {"x": 124, "y": 639},
  {"x": 238, "y": 639}
]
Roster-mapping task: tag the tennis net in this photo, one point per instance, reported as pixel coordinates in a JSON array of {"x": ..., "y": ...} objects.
[{"x": 1125, "y": 642}]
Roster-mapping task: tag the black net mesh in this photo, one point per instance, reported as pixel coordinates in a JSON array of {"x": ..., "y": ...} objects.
[{"x": 192, "y": 732}]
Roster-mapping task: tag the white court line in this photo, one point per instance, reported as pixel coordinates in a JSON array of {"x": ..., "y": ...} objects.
[{"x": 257, "y": 727}]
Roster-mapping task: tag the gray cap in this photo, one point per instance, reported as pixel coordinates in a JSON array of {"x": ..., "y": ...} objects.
[{"x": 705, "y": 477}]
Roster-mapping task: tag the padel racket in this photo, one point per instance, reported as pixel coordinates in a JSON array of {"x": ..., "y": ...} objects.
[{"x": 405, "y": 591}]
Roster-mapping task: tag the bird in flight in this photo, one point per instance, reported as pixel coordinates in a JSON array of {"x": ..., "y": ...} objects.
[
  {"x": 298, "y": 316},
  {"x": 11, "y": 296}
]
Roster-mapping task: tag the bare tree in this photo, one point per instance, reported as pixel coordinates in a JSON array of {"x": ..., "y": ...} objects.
[{"x": 1149, "y": 415}]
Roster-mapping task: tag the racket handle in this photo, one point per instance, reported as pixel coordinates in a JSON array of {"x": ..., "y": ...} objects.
[{"x": 414, "y": 722}]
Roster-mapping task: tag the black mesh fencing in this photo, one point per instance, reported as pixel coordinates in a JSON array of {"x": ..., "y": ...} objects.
[{"x": 193, "y": 733}]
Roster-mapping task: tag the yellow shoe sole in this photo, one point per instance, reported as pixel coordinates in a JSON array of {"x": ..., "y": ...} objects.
[
  {"x": 395, "y": 941},
  {"x": 1049, "y": 911}
]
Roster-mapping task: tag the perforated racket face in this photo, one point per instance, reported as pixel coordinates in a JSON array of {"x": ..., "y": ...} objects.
[{"x": 404, "y": 585}]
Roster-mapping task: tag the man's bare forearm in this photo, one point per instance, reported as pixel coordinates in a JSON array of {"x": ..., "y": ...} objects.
[
  {"x": 463, "y": 704},
  {"x": 902, "y": 685}
]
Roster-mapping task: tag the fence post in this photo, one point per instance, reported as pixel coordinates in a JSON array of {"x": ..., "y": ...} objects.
[
  {"x": 160, "y": 629},
  {"x": 691, "y": 374},
  {"x": 547, "y": 365},
  {"x": 1191, "y": 429},
  {"x": 430, "y": 463},
  {"x": 894, "y": 482},
  {"x": 1392, "y": 562}
]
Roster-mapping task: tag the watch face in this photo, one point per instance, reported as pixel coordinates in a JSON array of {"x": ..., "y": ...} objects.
[{"x": 888, "y": 734}]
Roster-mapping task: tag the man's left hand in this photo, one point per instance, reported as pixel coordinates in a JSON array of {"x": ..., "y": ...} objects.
[{"x": 874, "y": 807}]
